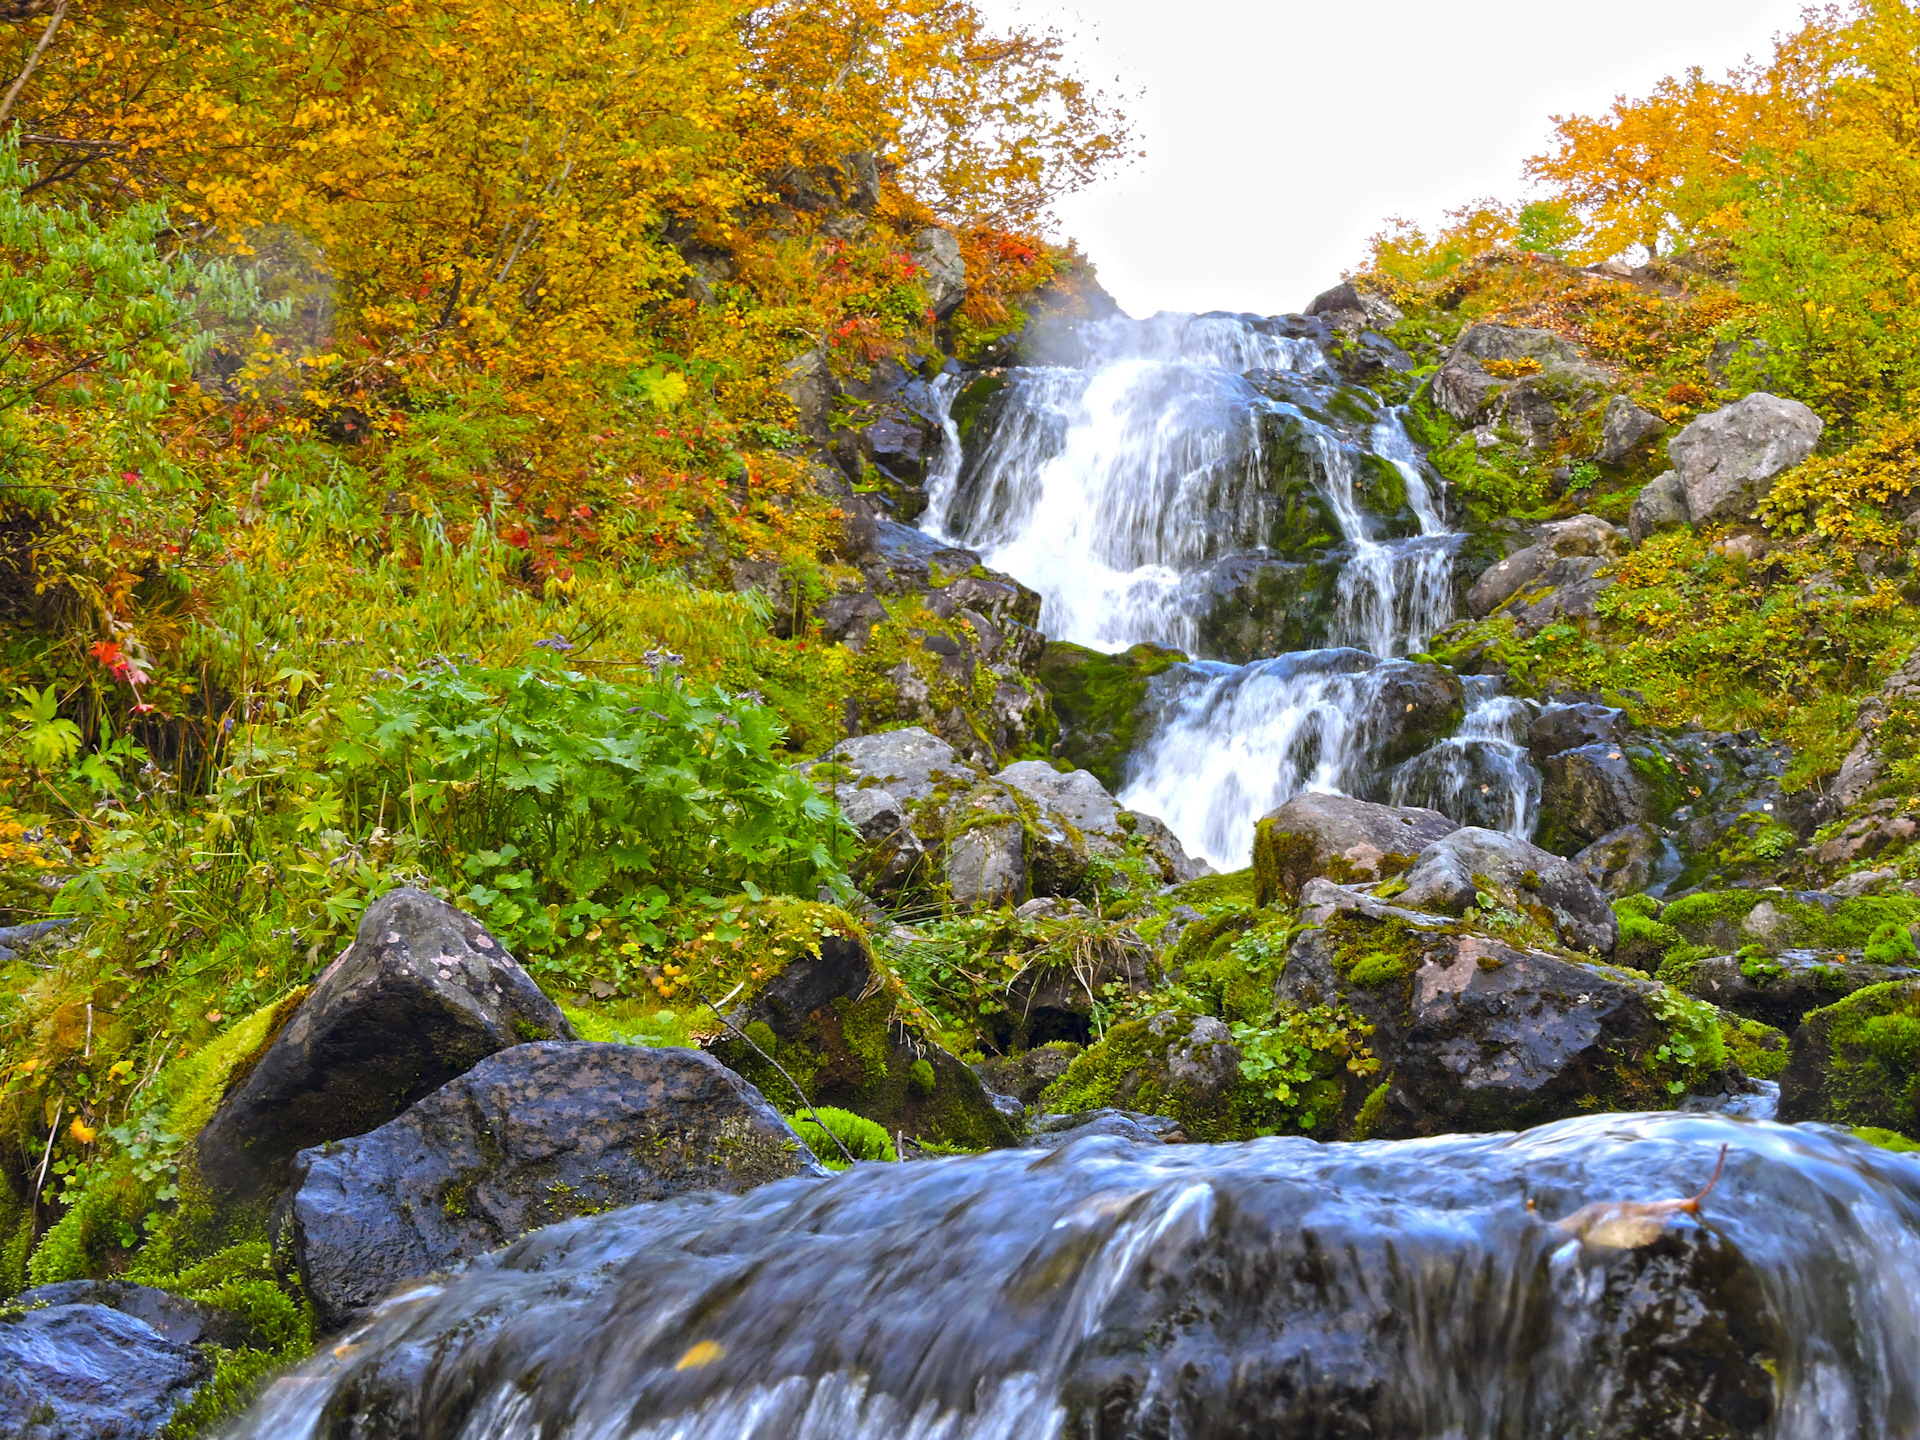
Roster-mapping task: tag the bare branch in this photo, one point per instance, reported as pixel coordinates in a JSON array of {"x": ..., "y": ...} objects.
[{"x": 33, "y": 60}]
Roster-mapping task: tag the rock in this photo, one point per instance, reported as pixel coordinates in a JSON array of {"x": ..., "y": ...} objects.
[
  {"x": 531, "y": 1136},
  {"x": 809, "y": 383},
  {"x": 1544, "y": 563},
  {"x": 833, "y": 1023},
  {"x": 1454, "y": 870},
  {"x": 986, "y": 861},
  {"x": 1075, "y": 796},
  {"x": 1101, "y": 702},
  {"x": 943, "y": 273},
  {"x": 1467, "y": 391},
  {"x": 89, "y": 1372},
  {"x": 909, "y": 764},
  {"x": 1625, "y": 431},
  {"x": 1051, "y": 1001},
  {"x": 1660, "y": 505},
  {"x": 183, "y": 1321},
  {"x": 1181, "y": 1066},
  {"x": 423, "y": 994},
  {"x": 1024, "y": 1076},
  {"x": 1858, "y": 1062},
  {"x": 1564, "y": 727},
  {"x": 1474, "y": 1034},
  {"x": 1163, "y": 846},
  {"x": 1866, "y": 765},
  {"x": 892, "y": 855},
  {"x": 1864, "y": 882},
  {"x": 1413, "y": 704},
  {"x": 1338, "y": 837},
  {"x": 1782, "y": 991},
  {"x": 1726, "y": 460},
  {"x": 1626, "y": 861},
  {"x": 1347, "y": 298},
  {"x": 1594, "y": 790},
  {"x": 1259, "y": 606},
  {"x": 849, "y": 619},
  {"x": 1053, "y": 1131}
]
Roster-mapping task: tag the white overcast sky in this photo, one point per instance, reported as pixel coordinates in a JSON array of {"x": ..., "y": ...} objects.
[{"x": 1280, "y": 135}]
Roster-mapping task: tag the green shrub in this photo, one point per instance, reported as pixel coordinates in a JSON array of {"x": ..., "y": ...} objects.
[
  {"x": 864, "y": 1139},
  {"x": 553, "y": 802}
]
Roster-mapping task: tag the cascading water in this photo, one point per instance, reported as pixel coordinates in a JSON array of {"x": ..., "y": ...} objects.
[
  {"x": 1155, "y": 458},
  {"x": 1481, "y": 775},
  {"x": 1422, "y": 1289}
]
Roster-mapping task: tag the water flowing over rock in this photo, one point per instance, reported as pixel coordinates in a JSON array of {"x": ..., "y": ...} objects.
[
  {"x": 533, "y": 1135},
  {"x": 1121, "y": 1290},
  {"x": 1210, "y": 483},
  {"x": 423, "y": 994}
]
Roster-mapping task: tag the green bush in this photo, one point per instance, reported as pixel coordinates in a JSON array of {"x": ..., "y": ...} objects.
[
  {"x": 864, "y": 1139},
  {"x": 553, "y": 802}
]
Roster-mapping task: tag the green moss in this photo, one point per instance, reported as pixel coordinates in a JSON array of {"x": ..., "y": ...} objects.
[
  {"x": 197, "y": 1084},
  {"x": 1869, "y": 1047},
  {"x": 920, "y": 1077},
  {"x": 1759, "y": 1050},
  {"x": 1371, "y": 953},
  {"x": 1098, "y": 700},
  {"x": 1643, "y": 939},
  {"x": 1887, "y": 1139},
  {"x": 1128, "y": 1068},
  {"x": 1237, "y": 887},
  {"x": 1892, "y": 944},
  {"x": 1282, "y": 863},
  {"x": 1371, "y": 1111},
  {"x": 864, "y": 1139},
  {"x": 664, "y": 1026}
]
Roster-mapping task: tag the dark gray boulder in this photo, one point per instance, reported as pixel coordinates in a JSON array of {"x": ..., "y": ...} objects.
[
  {"x": 1472, "y": 1033},
  {"x": 1563, "y": 727},
  {"x": 1551, "y": 562},
  {"x": 183, "y": 1321},
  {"x": 1782, "y": 990},
  {"x": 1050, "y": 1132},
  {"x": 1627, "y": 432},
  {"x": 943, "y": 273},
  {"x": 1660, "y": 505},
  {"x": 91, "y": 1372},
  {"x": 1451, "y": 874},
  {"x": 1626, "y": 861},
  {"x": 1594, "y": 790},
  {"x": 531, "y": 1136},
  {"x": 423, "y": 994}
]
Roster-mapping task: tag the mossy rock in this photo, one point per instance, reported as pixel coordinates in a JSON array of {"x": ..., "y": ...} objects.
[
  {"x": 1178, "y": 1065},
  {"x": 1759, "y": 1050},
  {"x": 831, "y": 1022},
  {"x": 1100, "y": 702},
  {"x": 1858, "y": 1062},
  {"x": 1264, "y": 607}
]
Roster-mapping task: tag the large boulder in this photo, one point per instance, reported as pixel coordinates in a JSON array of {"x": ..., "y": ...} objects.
[
  {"x": 423, "y": 994},
  {"x": 91, "y": 1372},
  {"x": 183, "y": 1321},
  {"x": 909, "y": 764},
  {"x": 1412, "y": 704},
  {"x": 835, "y": 1026},
  {"x": 1593, "y": 790},
  {"x": 1726, "y": 460},
  {"x": 1472, "y": 1033},
  {"x": 986, "y": 860},
  {"x": 1339, "y": 837},
  {"x": 1541, "y": 564},
  {"x": 1452, "y": 873},
  {"x": 531, "y": 1136},
  {"x": 1470, "y": 392},
  {"x": 1858, "y": 1062},
  {"x": 1781, "y": 991},
  {"x": 1182, "y": 1066},
  {"x": 1076, "y": 803},
  {"x": 1101, "y": 702}
]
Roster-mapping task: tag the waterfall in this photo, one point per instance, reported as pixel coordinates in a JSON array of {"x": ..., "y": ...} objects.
[
  {"x": 1280, "y": 1287},
  {"x": 1115, "y": 478},
  {"x": 1481, "y": 775}
]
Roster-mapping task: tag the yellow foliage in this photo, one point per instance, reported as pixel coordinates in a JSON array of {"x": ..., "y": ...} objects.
[{"x": 1847, "y": 496}]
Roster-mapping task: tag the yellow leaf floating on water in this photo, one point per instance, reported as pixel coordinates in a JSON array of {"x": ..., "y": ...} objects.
[
  {"x": 1633, "y": 1224},
  {"x": 703, "y": 1353}
]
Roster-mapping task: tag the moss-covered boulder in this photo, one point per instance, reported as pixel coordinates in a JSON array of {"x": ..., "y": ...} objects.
[
  {"x": 830, "y": 1030},
  {"x": 1183, "y": 1066},
  {"x": 1342, "y": 838},
  {"x": 1259, "y": 606},
  {"x": 1100, "y": 701},
  {"x": 1780, "y": 990},
  {"x": 1858, "y": 1062},
  {"x": 1473, "y": 1033}
]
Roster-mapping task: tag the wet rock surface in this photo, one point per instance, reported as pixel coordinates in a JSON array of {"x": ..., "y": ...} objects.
[
  {"x": 1451, "y": 875},
  {"x": 1342, "y": 838},
  {"x": 1781, "y": 990},
  {"x": 91, "y": 1372},
  {"x": 1205, "y": 1291},
  {"x": 422, "y": 995},
  {"x": 183, "y": 1321},
  {"x": 534, "y": 1135}
]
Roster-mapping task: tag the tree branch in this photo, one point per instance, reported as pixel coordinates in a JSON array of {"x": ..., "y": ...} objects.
[{"x": 33, "y": 60}]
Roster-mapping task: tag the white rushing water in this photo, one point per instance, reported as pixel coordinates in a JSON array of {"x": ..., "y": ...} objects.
[{"x": 1113, "y": 480}]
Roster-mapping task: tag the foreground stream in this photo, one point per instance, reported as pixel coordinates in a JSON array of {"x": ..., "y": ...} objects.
[{"x": 1417, "y": 1289}]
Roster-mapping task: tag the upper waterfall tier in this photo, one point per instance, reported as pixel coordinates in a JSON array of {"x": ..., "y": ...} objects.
[{"x": 1172, "y": 479}]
